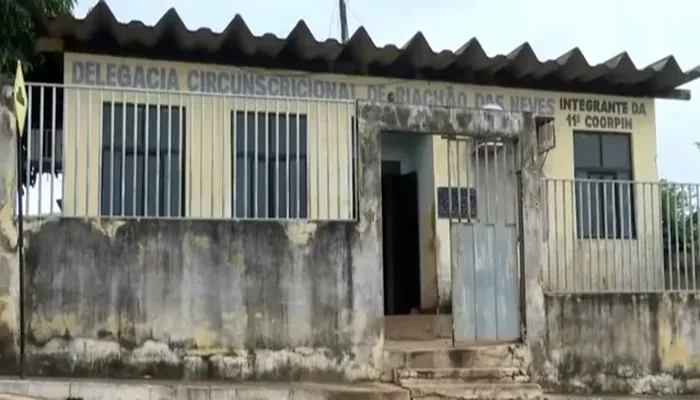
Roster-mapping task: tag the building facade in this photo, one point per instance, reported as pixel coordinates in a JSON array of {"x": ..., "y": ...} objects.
[
  {"x": 208, "y": 216},
  {"x": 200, "y": 151}
]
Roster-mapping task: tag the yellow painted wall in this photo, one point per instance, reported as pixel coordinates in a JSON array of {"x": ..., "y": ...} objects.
[
  {"x": 209, "y": 132},
  {"x": 585, "y": 265},
  {"x": 573, "y": 264}
]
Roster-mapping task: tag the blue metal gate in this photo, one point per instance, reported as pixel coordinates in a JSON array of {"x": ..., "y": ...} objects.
[{"x": 484, "y": 239}]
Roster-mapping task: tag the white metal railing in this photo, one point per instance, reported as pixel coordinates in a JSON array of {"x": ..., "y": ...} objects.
[
  {"x": 135, "y": 153},
  {"x": 620, "y": 236}
]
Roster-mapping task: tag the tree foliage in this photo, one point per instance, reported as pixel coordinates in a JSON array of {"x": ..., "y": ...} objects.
[
  {"x": 679, "y": 216},
  {"x": 17, "y": 30},
  {"x": 17, "y": 42}
]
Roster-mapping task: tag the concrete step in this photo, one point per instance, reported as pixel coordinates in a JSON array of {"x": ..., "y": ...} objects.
[
  {"x": 417, "y": 327},
  {"x": 416, "y": 376},
  {"x": 402, "y": 355},
  {"x": 473, "y": 391}
]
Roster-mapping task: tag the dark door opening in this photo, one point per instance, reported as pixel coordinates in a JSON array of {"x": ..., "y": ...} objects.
[{"x": 400, "y": 240}]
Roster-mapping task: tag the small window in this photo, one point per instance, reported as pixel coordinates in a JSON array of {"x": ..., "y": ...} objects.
[
  {"x": 604, "y": 195},
  {"x": 142, "y": 165},
  {"x": 270, "y": 167}
]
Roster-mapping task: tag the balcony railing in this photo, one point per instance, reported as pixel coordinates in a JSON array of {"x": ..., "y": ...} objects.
[
  {"x": 620, "y": 236},
  {"x": 134, "y": 153}
]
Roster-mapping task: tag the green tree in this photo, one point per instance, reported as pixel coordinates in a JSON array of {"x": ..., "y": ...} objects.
[
  {"x": 679, "y": 216},
  {"x": 17, "y": 29},
  {"x": 18, "y": 20}
]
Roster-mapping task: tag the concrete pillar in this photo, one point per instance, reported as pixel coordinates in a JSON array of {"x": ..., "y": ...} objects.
[
  {"x": 9, "y": 259},
  {"x": 531, "y": 244}
]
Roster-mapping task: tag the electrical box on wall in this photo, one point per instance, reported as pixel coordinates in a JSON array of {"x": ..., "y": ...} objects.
[{"x": 546, "y": 135}]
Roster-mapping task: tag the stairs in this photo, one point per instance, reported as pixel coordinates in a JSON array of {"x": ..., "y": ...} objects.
[
  {"x": 479, "y": 372},
  {"x": 468, "y": 383}
]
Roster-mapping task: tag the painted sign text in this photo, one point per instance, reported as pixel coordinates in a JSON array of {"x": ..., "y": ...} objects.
[
  {"x": 207, "y": 81},
  {"x": 601, "y": 114},
  {"x": 451, "y": 96},
  {"x": 581, "y": 112}
]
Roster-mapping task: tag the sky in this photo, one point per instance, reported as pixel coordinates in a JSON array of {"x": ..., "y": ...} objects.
[{"x": 647, "y": 30}]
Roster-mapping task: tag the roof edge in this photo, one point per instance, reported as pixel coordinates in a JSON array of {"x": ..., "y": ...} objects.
[{"x": 170, "y": 39}]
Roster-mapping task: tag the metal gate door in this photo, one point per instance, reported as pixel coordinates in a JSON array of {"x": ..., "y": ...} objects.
[{"x": 483, "y": 216}]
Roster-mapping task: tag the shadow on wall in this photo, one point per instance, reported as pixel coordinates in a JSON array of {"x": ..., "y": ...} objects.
[
  {"x": 199, "y": 299},
  {"x": 622, "y": 343}
]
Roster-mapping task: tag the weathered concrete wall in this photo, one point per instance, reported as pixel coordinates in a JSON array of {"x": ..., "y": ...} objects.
[
  {"x": 202, "y": 299},
  {"x": 9, "y": 261},
  {"x": 238, "y": 300},
  {"x": 622, "y": 343}
]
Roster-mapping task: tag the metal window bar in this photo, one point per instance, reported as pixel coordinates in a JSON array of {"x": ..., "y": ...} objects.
[
  {"x": 158, "y": 154},
  {"x": 42, "y": 171},
  {"x": 629, "y": 236},
  {"x": 272, "y": 161}
]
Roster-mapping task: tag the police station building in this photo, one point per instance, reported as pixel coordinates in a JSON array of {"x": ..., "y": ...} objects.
[{"x": 217, "y": 176}]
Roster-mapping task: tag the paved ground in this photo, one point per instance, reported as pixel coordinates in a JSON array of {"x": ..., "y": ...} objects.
[
  {"x": 60, "y": 389},
  {"x": 581, "y": 397}
]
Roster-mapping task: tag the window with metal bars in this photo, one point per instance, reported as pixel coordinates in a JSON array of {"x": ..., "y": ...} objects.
[
  {"x": 270, "y": 165},
  {"x": 604, "y": 194},
  {"x": 142, "y": 164}
]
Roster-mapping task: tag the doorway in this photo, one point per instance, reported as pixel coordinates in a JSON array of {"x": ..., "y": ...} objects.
[{"x": 400, "y": 239}]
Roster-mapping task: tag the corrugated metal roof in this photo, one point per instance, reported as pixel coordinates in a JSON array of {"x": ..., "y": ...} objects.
[{"x": 101, "y": 33}]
